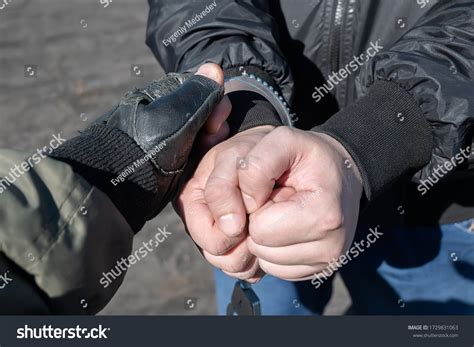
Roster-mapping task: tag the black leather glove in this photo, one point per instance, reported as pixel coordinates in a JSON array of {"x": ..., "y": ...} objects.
[{"x": 137, "y": 153}]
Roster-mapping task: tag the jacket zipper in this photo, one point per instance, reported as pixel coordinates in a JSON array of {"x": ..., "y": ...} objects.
[
  {"x": 342, "y": 23},
  {"x": 336, "y": 33}
]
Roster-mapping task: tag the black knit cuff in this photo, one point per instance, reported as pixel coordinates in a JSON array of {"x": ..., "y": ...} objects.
[
  {"x": 250, "y": 109},
  {"x": 386, "y": 134},
  {"x": 113, "y": 162}
]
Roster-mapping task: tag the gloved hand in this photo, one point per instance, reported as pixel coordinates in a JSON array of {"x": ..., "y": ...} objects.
[{"x": 137, "y": 153}]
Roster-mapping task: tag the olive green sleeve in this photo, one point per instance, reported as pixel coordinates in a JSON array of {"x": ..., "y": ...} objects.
[{"x": 58, "y": 235}]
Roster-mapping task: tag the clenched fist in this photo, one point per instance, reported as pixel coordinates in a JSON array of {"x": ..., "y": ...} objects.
[
  {"x": 302, "y": 192},
  {"x": 211, "y": 205},
  {"x": 288, "y": 209}
]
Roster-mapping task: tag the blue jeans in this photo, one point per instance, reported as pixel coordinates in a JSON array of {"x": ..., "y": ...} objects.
[{"x": 408, "y": 271}]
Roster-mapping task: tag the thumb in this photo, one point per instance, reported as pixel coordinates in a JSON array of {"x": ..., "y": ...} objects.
[
  {"x": 216, "y": 128},
  {"x": 265, "y": 164},
  {"x": 213, "y": 72},
  {"x": 178, "y": 115}
]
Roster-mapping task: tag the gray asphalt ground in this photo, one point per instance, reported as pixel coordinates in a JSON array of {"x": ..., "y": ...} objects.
[{"x": 62, "y": 64}]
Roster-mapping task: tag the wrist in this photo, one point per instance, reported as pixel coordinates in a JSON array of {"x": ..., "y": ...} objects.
[
  {"x": 350, "y": 171},
  {"x": 250, "y": 110},
  {"x": 105, "y": 157},
  {"x": 256, "y": 99},
  {"x": 386, "y": 134},
  {"x": 261, "y": 128}
]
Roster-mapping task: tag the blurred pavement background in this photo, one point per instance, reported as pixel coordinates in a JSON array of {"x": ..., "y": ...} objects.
[{"x": 64, "y": 63}]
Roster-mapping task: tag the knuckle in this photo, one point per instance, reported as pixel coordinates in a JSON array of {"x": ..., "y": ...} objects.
[
  {"x": 256, "y": 232},
  {"x": 219, "y": 248},
  {"x": 215, "y": 187},
  {"x": 269, "y": 269},
  {"x": 252, "y": 246},
  {"x": 258, "y": 238},
  {"x": 256, "y": 172},
  {"x": 333, "y": 254},
  {"x": 216, "y": 250},
  {"x": 212, "y": 153},
  {"x": 237, "y": 149},
  {"x": 282, "y": 132},
  {"x": 333, "y": 219},
  {"x": 234, "y": 267},
  {"x": 319, "y": 269}
]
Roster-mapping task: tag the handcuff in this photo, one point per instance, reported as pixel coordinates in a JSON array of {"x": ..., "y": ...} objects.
[
  {"x": 244, "y": 301},
  {"x": 251, "y": 83}
]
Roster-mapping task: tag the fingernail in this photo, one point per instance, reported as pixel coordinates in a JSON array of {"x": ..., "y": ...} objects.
[
  {"x": 211, "y": 71},
  {"x": 230, "y": 224},
  {"x": 249, "y": 202}
]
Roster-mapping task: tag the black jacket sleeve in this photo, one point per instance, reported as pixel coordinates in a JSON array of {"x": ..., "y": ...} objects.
[
  {"x": 185, "y": 34},
  {"x": 416, "y": 112}
]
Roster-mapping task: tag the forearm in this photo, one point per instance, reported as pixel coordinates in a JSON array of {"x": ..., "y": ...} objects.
[
  {"x": 242, "y": 39},
  {"x": 415, "y": 111},
  {"x": 61, "y": 234}
]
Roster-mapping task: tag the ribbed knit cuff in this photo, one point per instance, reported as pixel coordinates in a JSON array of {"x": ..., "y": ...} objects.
[
  {"x": 386, "y": 134},
  {"x": 250, "y": 109},
  {"x": 106, "y": 157}
]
